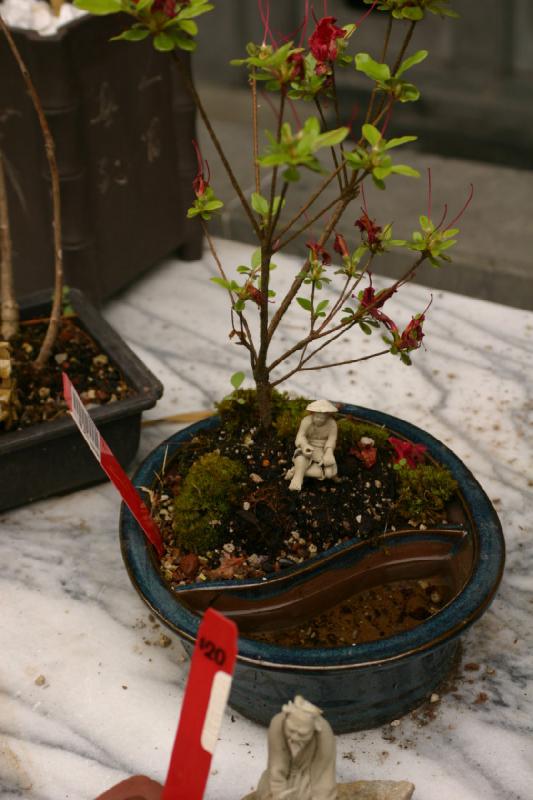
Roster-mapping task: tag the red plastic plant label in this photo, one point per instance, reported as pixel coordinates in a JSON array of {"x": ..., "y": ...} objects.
[
  {"x": 110, "y": 465},
  {"x": 205, "y": 699}
]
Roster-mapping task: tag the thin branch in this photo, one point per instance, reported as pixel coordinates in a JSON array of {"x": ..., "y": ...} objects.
[
  {"x": 203, "y": 113},
  {"x": 338, "y": 167},
  {"x": 257, "y": 169},
  {"x": 338, "y": 118},
  {"x": 371, "y": 102},
  {"x": 343, "y": 363},
  {"x": 308, "y": 224},
  {"x": 246, "y": 338},
  {"x": 310, "y": 202},
  {"x": 275, "y": 170},
  {"x": 9, "y": 309},
  {"x": 55, "y": 313}
]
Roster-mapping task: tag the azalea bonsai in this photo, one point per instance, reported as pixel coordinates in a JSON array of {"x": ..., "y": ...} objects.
[{"x": 304, "y": 72}]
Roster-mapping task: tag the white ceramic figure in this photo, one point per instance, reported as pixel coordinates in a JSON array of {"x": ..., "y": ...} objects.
[
  {"x": 301, "y": 756},
  {"x": 315, "y": 445}
]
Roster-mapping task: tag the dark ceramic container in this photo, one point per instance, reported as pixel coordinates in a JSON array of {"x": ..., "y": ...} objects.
[
  {"x": 52, "y": 457},
  {"x": 360, "y": 686}
]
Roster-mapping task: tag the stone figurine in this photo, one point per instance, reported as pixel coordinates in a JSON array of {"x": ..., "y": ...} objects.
[
  {"x": 315, "y": 445},
  {"x": 301, "y": 762}
]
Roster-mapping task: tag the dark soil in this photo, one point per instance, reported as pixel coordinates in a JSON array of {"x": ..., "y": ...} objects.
[
  {"x": 367, "y": 616},
  {"x": 40, "y": 393}
]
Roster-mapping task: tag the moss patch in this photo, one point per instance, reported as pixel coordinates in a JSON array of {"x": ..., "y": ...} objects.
[
  {"x": 423, "y": 492},
  {"x": 214, "y": 484}
]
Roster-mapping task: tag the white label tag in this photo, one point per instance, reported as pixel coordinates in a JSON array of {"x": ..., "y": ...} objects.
[
  {"x": 218, "y": 698},
  {"x": 87, "y": 427}
]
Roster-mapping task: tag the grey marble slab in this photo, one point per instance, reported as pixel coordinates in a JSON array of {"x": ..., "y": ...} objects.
[{"x": 111, "y": 695}]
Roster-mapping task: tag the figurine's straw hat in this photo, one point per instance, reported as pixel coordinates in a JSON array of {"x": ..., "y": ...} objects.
[{"x": 322, "y": 406}]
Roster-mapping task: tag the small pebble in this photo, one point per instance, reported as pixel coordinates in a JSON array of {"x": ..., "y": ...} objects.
[
  {"x": 395, "y": 723},
  {"x": 40, "y": 681},
  {"x": 434, "y": 698}
]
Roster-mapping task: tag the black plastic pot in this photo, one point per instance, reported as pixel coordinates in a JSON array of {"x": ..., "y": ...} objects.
[
  {"x": 122, "y": 123},
  {"x": 52, "y": 457}
]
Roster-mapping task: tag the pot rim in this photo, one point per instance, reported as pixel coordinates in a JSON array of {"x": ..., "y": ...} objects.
[{"x": 451, "y": 621}]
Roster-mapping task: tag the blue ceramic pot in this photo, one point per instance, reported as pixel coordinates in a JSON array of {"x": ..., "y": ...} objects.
[{"x": 359, "y": 686}]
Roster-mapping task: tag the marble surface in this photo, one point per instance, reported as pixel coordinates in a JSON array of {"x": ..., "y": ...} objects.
[{"x": 88, "y": 694}]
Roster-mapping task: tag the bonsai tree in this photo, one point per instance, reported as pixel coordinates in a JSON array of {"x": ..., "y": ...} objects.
[{"x": 305, "y": 72}]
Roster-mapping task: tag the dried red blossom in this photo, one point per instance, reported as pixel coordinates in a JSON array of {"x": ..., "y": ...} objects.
[
  {"x": 201, "y": 181},
  {"x": 166, "y": 7},
  {"x": 340, "y": 246},
  {"x": 323, "y": 40},
  {"x": 412, "y": 453},
  {"x": 319, "y": 253},
  {"x": 412, "y": 336},
  {"x": 368, "y": 226},
  {"x": 367, "y": 453},
  {"x": 373, "y": 302},
  {"x": 298, "y": 66},
  {"x": 255, "y": 294}
]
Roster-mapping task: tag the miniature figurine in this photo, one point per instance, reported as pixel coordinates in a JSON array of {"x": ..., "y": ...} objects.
[
  {"x": 301, "y": 762},
  {"x": 301, "y": 755},
  {"x": 315, "y": 445}
]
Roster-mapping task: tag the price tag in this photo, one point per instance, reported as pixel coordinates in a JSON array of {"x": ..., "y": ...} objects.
[
  {"x": 205, "y": 699},
  {"x": 110, "y": 465}
]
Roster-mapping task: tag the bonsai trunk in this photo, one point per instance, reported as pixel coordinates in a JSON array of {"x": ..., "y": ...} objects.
[
  {"x": 264, "y": 398},
  {"x": 9, "y": 310}
]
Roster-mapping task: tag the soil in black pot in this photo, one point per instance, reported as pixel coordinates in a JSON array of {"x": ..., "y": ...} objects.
[{"x": 39, "y": 393}]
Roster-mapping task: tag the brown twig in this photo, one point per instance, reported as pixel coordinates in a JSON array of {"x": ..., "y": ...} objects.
[
  {"x": 9, "y": 309},
  {"x": 55, "y": 314},
  {"x": 214, "y": 138}
]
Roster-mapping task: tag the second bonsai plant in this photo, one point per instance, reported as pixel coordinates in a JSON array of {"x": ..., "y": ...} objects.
[{"x": 210, "y": 497}]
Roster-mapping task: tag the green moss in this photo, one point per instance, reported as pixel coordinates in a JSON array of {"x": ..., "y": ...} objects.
[
  {"x": 287, "y": 415},
  {"x": 350, "y": 432},
  {"x": 238, "y": 411},
  {"x": 423, "y": 492},
  {"x": 214, "y": 485}
]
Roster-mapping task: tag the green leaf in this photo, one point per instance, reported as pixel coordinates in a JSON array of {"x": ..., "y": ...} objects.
[
  {"x": 331, "y": 138},
  {"x": 372, "y": 69},
  {"x": 371, "y": 134},
  {"x": 237, "y": 379},
  {"x": 239, "y": 305},
  {"x": 416, "y": 58},
  {"x": 221, "y": 282},
  {"x": 413, "y": 13},
  {"x": 132, "y": 35},
  {"x": 99, "y": 7},
  {"x": 188, "y": 26},
  {"x": 305, "y": 303},
  {"x": 403, "y": 169},
  {"x": 213, "y": 205},
  {"x": 260, "y": 204},
  {"x": 365, "y": 328},
  {"x": 184, "y": 43},
  {"x": 163, "y": 42},
  {"x": 322, "y": 305},
  {"x": 399, "y": 141},
  {"x": 256, "y": 258},
  {"x": 195, "y": 10}
]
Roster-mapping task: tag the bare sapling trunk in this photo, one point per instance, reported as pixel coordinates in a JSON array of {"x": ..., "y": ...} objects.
[
  {"x": 55, "y": 314},
  {"x": 9, "y": 310}
]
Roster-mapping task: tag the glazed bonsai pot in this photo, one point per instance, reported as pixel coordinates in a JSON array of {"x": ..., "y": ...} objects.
[
  {"x": 363, "y": 685},
  {"x": 51, "y": 457}
]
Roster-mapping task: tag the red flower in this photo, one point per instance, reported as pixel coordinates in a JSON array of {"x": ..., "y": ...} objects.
[
  {"x": 167, "y": 7},
  {"x": 373, "y": 302},
  {"x": 323, "y": 40},
  {"x": 412, "y": 453},
  {"x": 340, "y": 246},
  {"x": 368, "y": 226},
  {"x": 411, "y": 338},
  {"x": 319, "y": 253},
  {"x": 201, "y": 181},
  {"x": 298, "y": 66}
]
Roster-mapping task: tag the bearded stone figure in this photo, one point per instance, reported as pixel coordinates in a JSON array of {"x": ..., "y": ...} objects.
[{"x": 301, "y": 755}]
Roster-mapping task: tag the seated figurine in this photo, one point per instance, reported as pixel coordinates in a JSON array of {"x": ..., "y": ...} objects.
[
  {"x": 315, "y": 445},
  {"x": 301, "y": 756}
]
